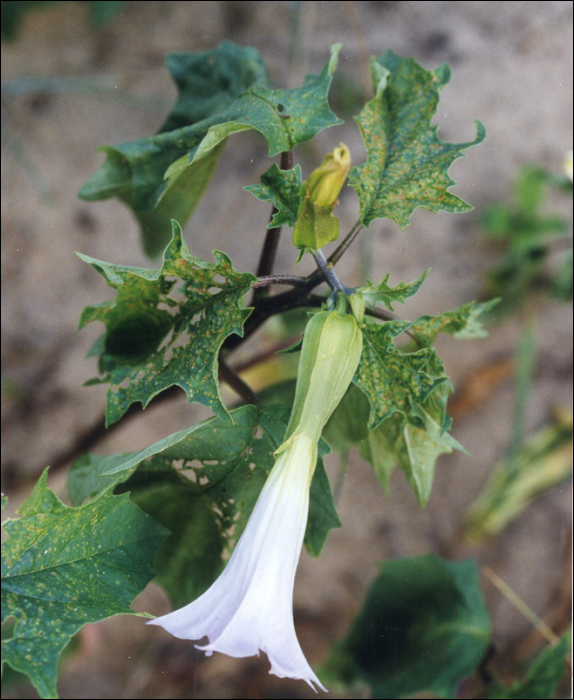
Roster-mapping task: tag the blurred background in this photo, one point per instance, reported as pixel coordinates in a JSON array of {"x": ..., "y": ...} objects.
[{"x": 79, "y": 75}]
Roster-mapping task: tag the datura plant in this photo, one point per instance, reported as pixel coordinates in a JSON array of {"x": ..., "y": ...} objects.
[{"x": 218, "y": 512}]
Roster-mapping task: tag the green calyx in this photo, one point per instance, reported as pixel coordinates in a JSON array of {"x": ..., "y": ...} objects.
[{"x": 329, "y": 357}]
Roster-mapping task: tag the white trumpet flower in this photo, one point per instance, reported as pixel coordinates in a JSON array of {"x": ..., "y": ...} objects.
[{"x": 250, "y": 606}]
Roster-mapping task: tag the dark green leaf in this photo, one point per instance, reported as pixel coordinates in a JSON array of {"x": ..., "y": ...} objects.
[
  {"x": 65, "y": 567},
  {"x": 208, "y": 82},
  {"x": 424, "y": 626},
  {"x": 153, "y": 312},
  {"x": 220, "y": 92},
  {"x": 285, "y": 118},
  {"x": 393, "y": 380},
  {"x": 543, "y": 677},
  {"x": 407, "y": 163},
  {"x": 283, "y": 189},
  {"x": 382, "y": 293},
  {"x": 202, "y": 483}
]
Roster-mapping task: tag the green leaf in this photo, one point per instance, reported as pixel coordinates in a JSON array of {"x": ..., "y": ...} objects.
[
  {"x": 153, "y": 311},
  {"x": 65, "y": 567},
  {"x": 462, "y": 323},
  {"x": 221, "y": 92},
  {"x": 154, "y": 176},
  {"x": 285, "y": 118},
  {"x": 202, "y": 484},
  {"x": 407, "y": 163},
  {"x": 382, "y": 293},
  {"x": 393, "y": 380},
  {"x": 413, "y": 441},
  {"x": 423, "y": 627},
  {"x": 543, "y": 677},
  {"x": 283, "y": 189},
  {"x": 348, "y": 424}
]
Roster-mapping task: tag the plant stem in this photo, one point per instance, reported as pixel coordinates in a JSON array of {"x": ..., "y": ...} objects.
[
  {"x": 271, "y": 243},
  {"x": 231, "y": 377},
  {"x": 338, "y": 253},
  {"x": 293, "y": 280},
  {"x": 328, "y": 273},
  {"x": 316, "y": 277}
]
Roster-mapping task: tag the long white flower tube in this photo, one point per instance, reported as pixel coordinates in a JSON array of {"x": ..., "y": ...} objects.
[{"x": 250, "y": 606}]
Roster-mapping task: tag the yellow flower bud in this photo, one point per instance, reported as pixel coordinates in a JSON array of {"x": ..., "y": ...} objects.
[{"x": 326, "y": 181}]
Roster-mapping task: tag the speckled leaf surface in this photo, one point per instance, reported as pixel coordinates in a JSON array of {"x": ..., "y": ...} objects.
[
  {"x": 391, "y": 379},
  {"x": 407, "y": 163},
  {"x": 65, "y": 567},
  {"x": 423, "y": 627},
  {"x": 202, "y": 484},
  {"x": 413, "y": 441},
  {"x": 384, "y": 294},
  {"x": 462, "y": 323},
  {"x": 154, "y": 310},
  {"x": 221, "y": 92},
  {"x": 283, "y": 189},
  {"x": 285, "y": 118}
]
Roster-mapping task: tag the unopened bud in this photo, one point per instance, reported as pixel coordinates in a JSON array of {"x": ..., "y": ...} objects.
[{"x": 326, "y": 181}]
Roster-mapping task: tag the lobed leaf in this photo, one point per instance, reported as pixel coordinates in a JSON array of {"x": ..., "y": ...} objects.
[
  {"x": 283, "y": 189},
  {"x": 407, "y": 163},
  {"x": 153, "y": 312},
  {"x": 462, "y": 323},
  {"x": 384, "y": 294},
  {"x": 221, "y": 92},
  {"x": 391, "y": 379},
  {"x": 202, "y": 484},
  {"x": 63, "y": 568}
]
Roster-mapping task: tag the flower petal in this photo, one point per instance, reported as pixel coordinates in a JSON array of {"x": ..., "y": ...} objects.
[{"x": 250, "y": 606}]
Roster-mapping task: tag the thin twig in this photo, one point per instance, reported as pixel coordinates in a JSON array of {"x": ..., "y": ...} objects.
[
  {"x": 338, "y": 253},
  {"x": 240, "y": 387},
  {"x": 292, "y": 280}
]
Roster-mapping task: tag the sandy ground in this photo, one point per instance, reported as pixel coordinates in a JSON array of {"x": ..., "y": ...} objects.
[{"x": 511, "y": 65}]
